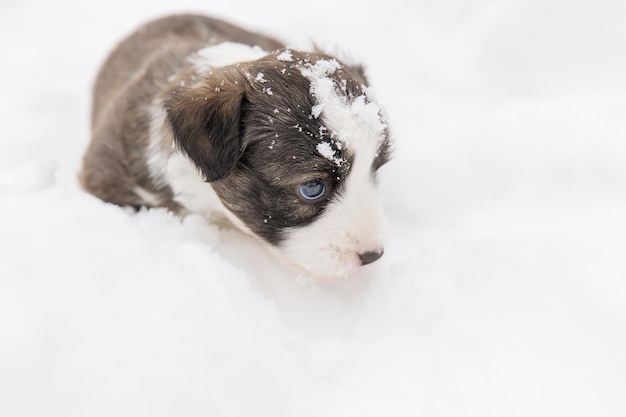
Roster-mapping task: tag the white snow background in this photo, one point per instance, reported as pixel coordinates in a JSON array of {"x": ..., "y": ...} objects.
[{"x": 502, "y": 291}]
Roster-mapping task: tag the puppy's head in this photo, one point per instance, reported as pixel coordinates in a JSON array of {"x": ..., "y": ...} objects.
[{"x": 291, "y": 143}]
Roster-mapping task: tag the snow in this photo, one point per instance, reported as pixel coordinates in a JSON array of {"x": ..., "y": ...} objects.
[
  {"x": 502, "y": 289},
  {"x": 225, "y": 53},
  {"x": 285, "y": 56},
  {"x": 357, "y": 122},
  {"x": 316, "y": 110},
  {"x": 326, "y": 150}
]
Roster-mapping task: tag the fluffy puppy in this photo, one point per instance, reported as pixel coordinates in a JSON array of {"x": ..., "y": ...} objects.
[{"x": 195, "y": 115}]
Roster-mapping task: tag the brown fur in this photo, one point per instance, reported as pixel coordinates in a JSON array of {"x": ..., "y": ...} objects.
[{"x": 130, "y": 79}]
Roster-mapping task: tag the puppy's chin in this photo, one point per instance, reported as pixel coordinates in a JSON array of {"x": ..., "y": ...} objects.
[
  {"x": 321, "y": 266},
  {"x": 330, "y": 254}
]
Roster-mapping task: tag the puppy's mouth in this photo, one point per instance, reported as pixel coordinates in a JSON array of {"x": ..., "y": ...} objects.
[
  {"x": 345, "y": 269},
  {"x": 325, "y": 254},
  {"x": 325, "y": 268}
]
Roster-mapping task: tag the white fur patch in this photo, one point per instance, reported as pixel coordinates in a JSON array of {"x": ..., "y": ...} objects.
[
  {"x": 225, "y": 53},
  {"x": 195, "y": 194},
  {"x": 146, "y": 196},
  {"x": 160, "y": 145}
]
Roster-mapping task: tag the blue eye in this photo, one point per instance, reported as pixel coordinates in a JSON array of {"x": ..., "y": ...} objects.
[{"x": 312, "y": 190}]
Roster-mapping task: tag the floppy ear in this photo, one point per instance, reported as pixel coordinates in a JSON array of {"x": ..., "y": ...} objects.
[{"x": 206, "y": 122}]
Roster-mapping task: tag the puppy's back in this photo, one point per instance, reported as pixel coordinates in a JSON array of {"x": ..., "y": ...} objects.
[
  {"x": 134, "y": 74},
  {"x": 172, "y": 38}
]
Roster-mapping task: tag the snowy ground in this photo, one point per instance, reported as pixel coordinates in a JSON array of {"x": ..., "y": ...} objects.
[{"x": 502, "y": 292}]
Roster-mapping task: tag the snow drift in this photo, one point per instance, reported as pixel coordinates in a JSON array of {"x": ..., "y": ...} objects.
[{"x": 501, "y": 292}]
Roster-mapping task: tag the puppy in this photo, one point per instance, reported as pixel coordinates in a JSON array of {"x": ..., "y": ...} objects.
[{"x": 197, "y": 115}]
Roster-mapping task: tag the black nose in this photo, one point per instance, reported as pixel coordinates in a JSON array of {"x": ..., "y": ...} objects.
[{"x": 369, "y": 257}]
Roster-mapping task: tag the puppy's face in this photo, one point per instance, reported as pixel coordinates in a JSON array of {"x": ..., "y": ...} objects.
[{"x": 291, "y": 144}]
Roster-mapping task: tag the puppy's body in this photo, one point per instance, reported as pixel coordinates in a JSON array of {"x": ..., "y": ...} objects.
[
  {"x": 135, "y": 73},
  {"x": 192, "y": 114}
]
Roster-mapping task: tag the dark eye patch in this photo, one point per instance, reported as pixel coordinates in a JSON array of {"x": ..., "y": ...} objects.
[{"x": 264, "y": 188}]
